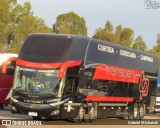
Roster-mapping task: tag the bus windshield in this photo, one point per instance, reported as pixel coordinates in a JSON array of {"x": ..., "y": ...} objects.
[{"x": 35, "y": 81}]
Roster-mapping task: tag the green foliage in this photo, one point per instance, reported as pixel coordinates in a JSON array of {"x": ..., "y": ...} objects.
[
  {"x": 4, "y": 11},
  {"x": 4, "y": 19},
  {"x": 16, "y": 22},
  {"x": 118, "y": 31},
  {"x": 126, "y": 37},
  {"x": 101, "y": 34},
  {"x": 70, "y": 23},
  {"x": 3, "y": 33},
  {"x": 19, "y": 11},
  {"x": 26, "y": 26},
  {"x": 158, "y": 38},
  {"x": 108, "y": 26},
  {"x": 156, "y": 50},
  {"x": 139, "y": 44},
  {"x": 121, "y": 36}
]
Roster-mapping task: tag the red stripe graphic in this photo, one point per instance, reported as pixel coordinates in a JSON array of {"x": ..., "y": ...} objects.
[
  {"x": 106, "y": 72},
  {"x": 109, "y": 99},
  {"x": 38, "y": 65},
  {"x": 63, "y": 66},
  {"x": 66, "y": 65}
]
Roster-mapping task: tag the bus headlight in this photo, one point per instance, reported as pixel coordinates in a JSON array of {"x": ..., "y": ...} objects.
[
  {"x": 14, "y": 100},
  {"x": 56, "y": 112},
  {"x": 13, "y": 108}
]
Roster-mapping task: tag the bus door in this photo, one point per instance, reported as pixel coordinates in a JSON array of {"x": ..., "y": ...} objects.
[{"x": 71, "y": 84}]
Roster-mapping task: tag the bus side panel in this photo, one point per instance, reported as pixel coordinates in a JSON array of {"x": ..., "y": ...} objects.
[{"x": 6, "y": 82}]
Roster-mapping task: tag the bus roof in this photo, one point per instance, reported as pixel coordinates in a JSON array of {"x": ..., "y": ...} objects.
[{"x": 54, "y": 48}]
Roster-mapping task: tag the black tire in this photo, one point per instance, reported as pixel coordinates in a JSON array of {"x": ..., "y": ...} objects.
[
  {"x": 36, "y": 117},
  {"x": 135, "y": 115},
  {"x": 80, "y": 115},
  {"x": 141, "y": 111}
]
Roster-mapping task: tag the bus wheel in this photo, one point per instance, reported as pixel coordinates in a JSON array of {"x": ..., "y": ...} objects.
[
  {"x": 135, "y": 114},
  {"x": 141, "y": 111},
  {"x": 93, "y": 112},
  {"x": 136, "y": 111},
  {"x": 145, "y": 109},
  {"x": 36, "y": 117},
  {"x": 80, "y": 115}
]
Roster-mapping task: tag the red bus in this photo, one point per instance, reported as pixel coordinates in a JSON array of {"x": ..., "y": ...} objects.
[{"x": 7, "y": 66}]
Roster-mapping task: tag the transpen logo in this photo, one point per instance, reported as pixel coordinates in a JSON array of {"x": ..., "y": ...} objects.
[{"x": 143, "y": 87}]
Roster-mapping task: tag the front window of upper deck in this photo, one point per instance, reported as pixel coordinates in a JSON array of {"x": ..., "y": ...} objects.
[{"x": 35, "y": 81}]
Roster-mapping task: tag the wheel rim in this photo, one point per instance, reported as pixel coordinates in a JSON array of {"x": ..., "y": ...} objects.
[
  {"x": 92, "y": 112},
  {"x": 135, "y": 112},
  {"x": 81, "y": 112},
  {"x": 141, "y": 111}
]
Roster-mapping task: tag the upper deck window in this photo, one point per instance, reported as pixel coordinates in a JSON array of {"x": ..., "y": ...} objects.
[{"x": 46, "y": 48}]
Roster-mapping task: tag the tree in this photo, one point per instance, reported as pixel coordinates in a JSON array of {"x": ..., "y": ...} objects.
[
  {"x": 26, "y": 26},
  {"x": 118, "y": 31},
  {"x": 4, "y": 11},
  {"x": 158, "y": 38},
  {"x": 126, "y": 37},
  {"x": 106, "y": 33},
  {"x": 19, "y": 11},
  {"x": 139, "y": 44},
  {"x": 101, "y": 34},
  {"x": 121, "y": 36},
  {"x": 16, "y": 22},
  {"x": 156, "y": 50},
  {"x": 70, "y": 23},
  {"x": 4, "y": 20},
  {"x": 108, "y": 26}
]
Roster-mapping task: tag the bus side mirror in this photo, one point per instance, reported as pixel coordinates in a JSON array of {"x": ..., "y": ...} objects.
[{"x": 5, "y": 64}]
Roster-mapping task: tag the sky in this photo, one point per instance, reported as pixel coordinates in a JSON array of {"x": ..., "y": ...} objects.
[{"x": 136, "y": 14}]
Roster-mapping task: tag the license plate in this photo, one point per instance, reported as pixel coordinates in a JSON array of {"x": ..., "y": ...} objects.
[{"x": 32, "y": 114}]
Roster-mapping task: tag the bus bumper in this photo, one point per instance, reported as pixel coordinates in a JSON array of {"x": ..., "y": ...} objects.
[
  {"x": 39, "y": 110},
  {"x": 43, "y": 110}
]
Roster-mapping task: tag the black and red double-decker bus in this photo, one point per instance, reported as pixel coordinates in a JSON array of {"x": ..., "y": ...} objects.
[
  {"x": 7, "y": 66},
  {"x": 67, "y": 76}
]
